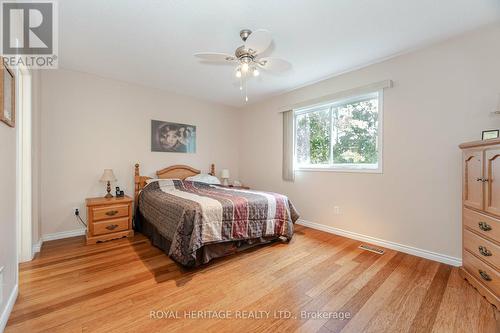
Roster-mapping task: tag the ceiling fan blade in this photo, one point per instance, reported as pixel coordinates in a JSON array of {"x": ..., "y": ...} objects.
[
  {"x": 213, "y": 56},
  {"x": 259, "y": 41},
  {"x": 274, "y": 64}
]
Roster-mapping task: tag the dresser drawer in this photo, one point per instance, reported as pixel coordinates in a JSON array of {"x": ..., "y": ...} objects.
[
  {"x": 482, "y": 224},
  {"x": 484, "y": 273},
  {"x": 110, "y": 226},
  {"x": 109, "y": 212},
  {"x": 482, "y": 248}
]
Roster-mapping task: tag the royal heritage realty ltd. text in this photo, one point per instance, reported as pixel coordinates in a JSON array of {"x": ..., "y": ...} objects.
[{"x": 247, "y": 314}]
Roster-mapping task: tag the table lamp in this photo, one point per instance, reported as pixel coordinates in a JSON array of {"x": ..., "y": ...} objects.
[
  {"x": 224, "y": 174},
  {"x": 107, "y": 177}
]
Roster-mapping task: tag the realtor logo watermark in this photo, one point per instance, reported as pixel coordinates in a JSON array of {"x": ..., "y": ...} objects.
[{"x": 29, "y": 34}]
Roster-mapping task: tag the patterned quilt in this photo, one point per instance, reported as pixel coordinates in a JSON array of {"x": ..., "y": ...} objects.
[{"x": 193, "y": 214}]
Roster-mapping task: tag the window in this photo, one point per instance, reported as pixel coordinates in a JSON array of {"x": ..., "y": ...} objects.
[{"x": 342, "y": 135}]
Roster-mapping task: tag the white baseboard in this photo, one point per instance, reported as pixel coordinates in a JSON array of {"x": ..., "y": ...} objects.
[
  {"x": 443, "y": 258},
  {"x": 36, "y": 248},
  {"x": 58, "y": 235},
  {"x": 63, "y": 234},
  {"x": 8, "y": 308}
]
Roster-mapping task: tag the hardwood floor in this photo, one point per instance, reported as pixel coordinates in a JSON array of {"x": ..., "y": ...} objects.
[{"x": 115, "y": 286}]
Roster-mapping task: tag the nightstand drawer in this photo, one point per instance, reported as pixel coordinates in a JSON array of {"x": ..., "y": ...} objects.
[
  {"x": 109, "y": 212},
  {"x": 110, "y": 226}
]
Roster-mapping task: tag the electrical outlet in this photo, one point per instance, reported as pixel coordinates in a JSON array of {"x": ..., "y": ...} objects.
[{"x": 336, "y": 210}]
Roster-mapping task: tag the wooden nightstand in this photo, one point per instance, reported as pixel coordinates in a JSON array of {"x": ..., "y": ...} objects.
[{"x": 109, "y": 219}]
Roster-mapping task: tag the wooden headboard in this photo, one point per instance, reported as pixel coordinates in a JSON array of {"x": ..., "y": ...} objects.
[{"x": 174, "y": 171}]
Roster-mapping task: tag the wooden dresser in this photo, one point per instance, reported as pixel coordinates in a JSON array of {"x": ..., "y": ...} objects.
[
  {"x": 109, "y": 219},
  {"x": 481, "y": 217}
]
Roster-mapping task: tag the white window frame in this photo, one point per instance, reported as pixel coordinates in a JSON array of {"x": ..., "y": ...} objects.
[{"x": 346, "y": 168}]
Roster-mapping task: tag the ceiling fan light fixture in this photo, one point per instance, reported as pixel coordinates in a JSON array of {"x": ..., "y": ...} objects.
[
  {"x": 248, "y": 58},
  {"x": 244, "y": 67}
]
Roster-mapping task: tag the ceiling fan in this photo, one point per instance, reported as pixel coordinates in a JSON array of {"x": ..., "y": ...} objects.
[{"x": 247, "y": 57}]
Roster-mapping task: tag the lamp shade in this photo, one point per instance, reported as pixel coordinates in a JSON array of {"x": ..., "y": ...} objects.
[
  {"x": 108, "y": 176},
  {"x": 224, "y": 174}
]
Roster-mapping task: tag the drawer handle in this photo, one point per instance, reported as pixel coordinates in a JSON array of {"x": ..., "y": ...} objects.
[
  {"x": 484, "y": 251},
  {"x": 112, "y": 213},
  {"x": 485, "y": 276},
  {"x": 484, "y": 226},
  {"x": 484, "y": 180},
  {"x": 112, "y": 226}
]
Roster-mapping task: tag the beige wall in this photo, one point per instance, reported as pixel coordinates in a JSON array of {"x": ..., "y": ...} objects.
[
  {"x": 8, "y": 250},
  {"x": 8, "y": 221},
  {"x": 90, "y": 123},
  {"x": 442, "y": 96}
]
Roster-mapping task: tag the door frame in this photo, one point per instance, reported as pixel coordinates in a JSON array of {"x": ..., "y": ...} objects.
[{"x": 24, "y": 163}]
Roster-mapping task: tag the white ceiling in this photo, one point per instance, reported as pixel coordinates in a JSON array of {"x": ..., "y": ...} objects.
[{"x": 151, "y": 42}]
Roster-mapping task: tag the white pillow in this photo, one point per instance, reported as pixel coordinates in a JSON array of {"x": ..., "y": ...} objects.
[{"x": 204, "y": 178}]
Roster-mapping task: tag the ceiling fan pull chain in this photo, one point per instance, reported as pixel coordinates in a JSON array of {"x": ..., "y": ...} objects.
[{"x": 246, "y": 90}]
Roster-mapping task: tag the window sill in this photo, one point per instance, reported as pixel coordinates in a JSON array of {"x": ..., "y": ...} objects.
[{"x": 340, "y": 170}]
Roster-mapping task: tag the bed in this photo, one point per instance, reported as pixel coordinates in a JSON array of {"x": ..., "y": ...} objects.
[{"x": 194, "y": 222}]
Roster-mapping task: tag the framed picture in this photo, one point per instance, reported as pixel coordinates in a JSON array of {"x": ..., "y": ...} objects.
[
  {"x": 7, "y": 95},
  {"x": 172, "y": 137},
  {"x": 490, "y": 134}
]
